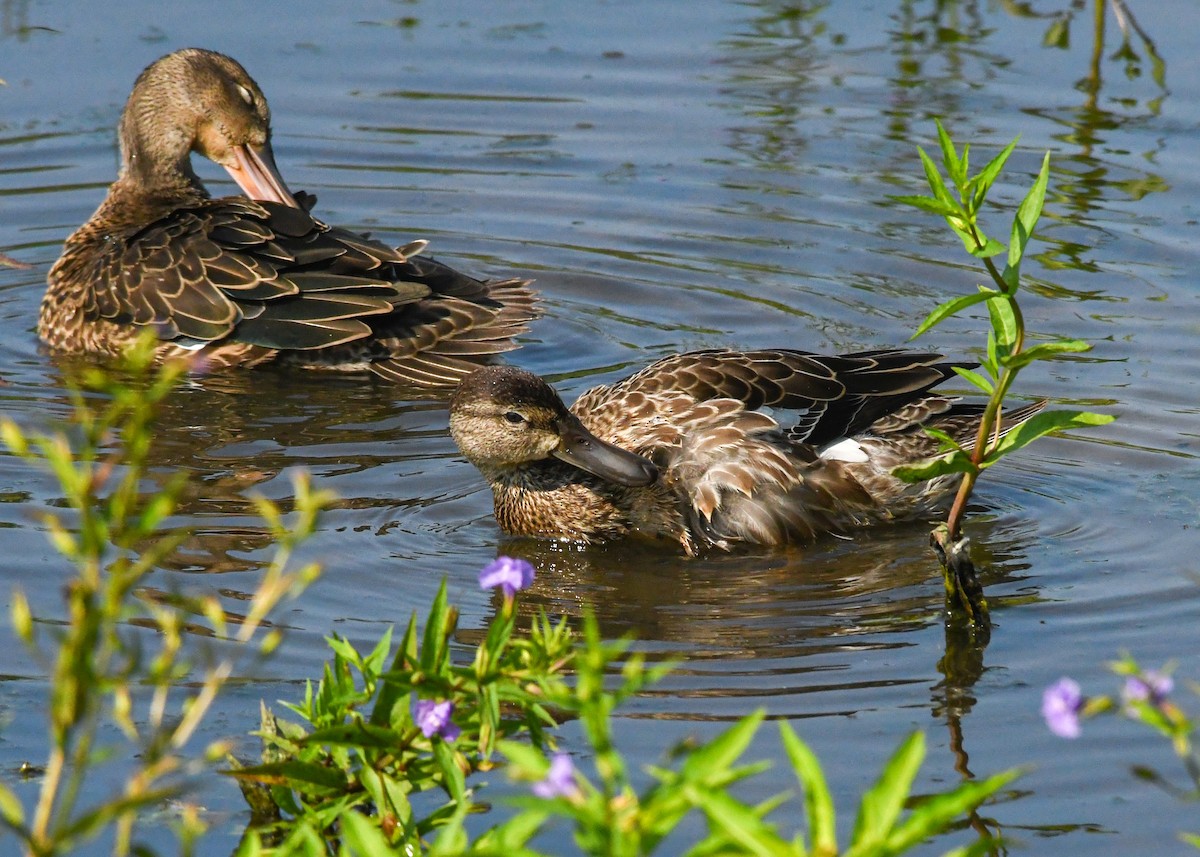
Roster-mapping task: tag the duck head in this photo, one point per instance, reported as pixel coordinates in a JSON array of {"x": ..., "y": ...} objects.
[
  {"x": 196, "y": 100},
  {"x": 504, "y": 418}
]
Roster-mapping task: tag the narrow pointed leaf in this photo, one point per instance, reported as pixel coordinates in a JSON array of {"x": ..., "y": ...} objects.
[
  {"x": 1044, "y": 351},
  {"x": 940, "y": 811},
  {"x": 1043, "y": 424},
  {"x": 739, "y": 823},
  {"x": 975, "y": 378},
  {"x": 955, "y": 462},
  {"x": 928, "y": 203},
  {"x": 452, "y": 775},
  {"x": 1004, "y": 323},
  {"x": 435, "y": 631},
  {"x": 818, "y": 803},
  {"x": 1027, "y": 216},
  {"x": 992, "y": 361},
  {"x": 510, "y": 836},
  {"x": 954, "y": 166},
  {"x": 281, "y": 773},
  {"x": 360, "y": 836},
  {"x": 356, "y": 735},
  {"x": 949, "y": 308},
  {"x": 390, "y": 692},
  {"x": 11, "y": 810},
  {"x": 720, "y": 754},
  {"x": 881, "y": 804},
  {"x": 987, "y": 176},
  {"x": 936, "y": 184}
]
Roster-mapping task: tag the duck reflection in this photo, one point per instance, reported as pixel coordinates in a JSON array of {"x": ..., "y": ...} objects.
[{"x": 837, "y": 596}]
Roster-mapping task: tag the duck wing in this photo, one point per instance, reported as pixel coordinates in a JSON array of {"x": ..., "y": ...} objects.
[
  {"x": 255, "y": 273},
  {"x": 440, "y": 339},
  {"x": 835, "y": 395}
]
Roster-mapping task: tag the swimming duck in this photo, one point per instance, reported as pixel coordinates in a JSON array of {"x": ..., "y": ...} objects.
[
  {"x": 688, "y": 449},
  {"x": 246, "y": 280}
]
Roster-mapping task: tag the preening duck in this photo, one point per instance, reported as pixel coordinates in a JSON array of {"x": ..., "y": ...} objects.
[
  {"x": 691, "y": 449},
  {"x": 247, "y": 280}
]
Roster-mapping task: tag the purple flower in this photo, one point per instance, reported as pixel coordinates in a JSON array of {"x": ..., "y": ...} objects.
[
  {"x": 511, "y": 575},
  {"x": 1061, "y": 704},
  {"x": 433, "y": 718},
  {"x": 560, "y": 781},
  {"x": 1150, "y": 686}
]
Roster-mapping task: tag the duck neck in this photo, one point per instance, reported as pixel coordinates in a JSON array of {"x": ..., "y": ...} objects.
[
  {"x": 156, "y": 150},
  {"x": 551, "y": 499}
]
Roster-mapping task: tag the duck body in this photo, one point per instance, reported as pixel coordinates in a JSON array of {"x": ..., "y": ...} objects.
[
  {"x": 252, "y": 279},
  {"x": 693, "y": 450}
]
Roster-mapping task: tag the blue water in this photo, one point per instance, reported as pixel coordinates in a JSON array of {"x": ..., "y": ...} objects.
[{"x": 678, "y": 176}]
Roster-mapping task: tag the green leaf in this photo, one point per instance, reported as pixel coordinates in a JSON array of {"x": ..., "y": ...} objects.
[
  {"x": 361, "y": 835},
  {"x": 509, "y": 837},
  {"x": 720, "y": 753},
  {"x": 524, "y": 759},
  {"x": 938, "y": 813},
  {"x": 1004, "y": 322},
  {"x": 11, "y": 811},
  {"x": 991, "y": 247},
  {"x": 374, "y": 661},
  {"x": 1026, "y": 219},
  {"x": 936, "y": 184},
  {"x": 22, "y": 617},
  {"x": 928, "y": 203},
  {"x": 953, "y": 462},
  {"x": 987, "y": 176},
  {"x": 956, "y": 169},
  {"x": 433, "y": 643},
  {"x": 881, "y": 804},
  {"x": 1058, "y": 34},
  {"x": 739, "y": 823},
  {"x": 292, "y": 771},
  {"x": 356, "y": 735},
  {"x": 991, "y": 362},
  {"x": 452, "y": 775},
  {"x": 343, "y": 649},
  {"x": 975, "y": 378},
  {"x": 1044, "y": 351},
  {"x": 1192, "y": 839},
  {"x": 391, "y": 691},
  {"x": 818, "y": 803},
  {"x": 951, "y": 307},
  {"x": 1043, "y": 424}
]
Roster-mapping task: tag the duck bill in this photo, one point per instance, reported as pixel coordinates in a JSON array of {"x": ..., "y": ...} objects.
[
  {"x": 580, "y": 448},
  {"x": 258, "y": 177}
]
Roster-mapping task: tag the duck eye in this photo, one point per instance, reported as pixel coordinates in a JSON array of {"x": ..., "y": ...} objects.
[
  {"x": 513, "y": 418},
  {"x": 246, "y": 94}
]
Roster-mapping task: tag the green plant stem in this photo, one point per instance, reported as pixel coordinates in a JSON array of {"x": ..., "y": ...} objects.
[
  {"x": 39, "y": 832},
  {"x": 989, "y": 424}
]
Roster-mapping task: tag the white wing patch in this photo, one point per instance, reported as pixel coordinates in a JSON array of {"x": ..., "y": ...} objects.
[{"x": 844, "y": 449}]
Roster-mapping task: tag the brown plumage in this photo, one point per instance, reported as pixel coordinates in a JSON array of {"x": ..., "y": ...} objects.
[
  {"x": 687, "y": 450},
  {"x": 251, "y": 279}
]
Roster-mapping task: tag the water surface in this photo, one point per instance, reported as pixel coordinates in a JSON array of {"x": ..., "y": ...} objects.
[{"x": 680, "y": 176}]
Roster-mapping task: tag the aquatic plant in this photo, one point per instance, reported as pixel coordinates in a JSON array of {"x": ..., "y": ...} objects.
[
  {"x": 1006, "y": 354},
  {"x": 120, "y": 656},
  {"x": 353, "y": 784},
  {"x": 1145, "y": 698}
]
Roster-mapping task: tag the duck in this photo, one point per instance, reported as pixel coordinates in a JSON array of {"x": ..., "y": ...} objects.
[
  {"x": 255, "y": 279},
  {"x": 693, "y": 449}
]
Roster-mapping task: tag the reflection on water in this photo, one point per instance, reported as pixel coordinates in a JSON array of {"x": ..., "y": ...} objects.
[{"x": 676, "y": 180}]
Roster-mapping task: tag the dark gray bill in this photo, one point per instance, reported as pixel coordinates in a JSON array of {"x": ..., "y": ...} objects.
[{"x": 580, "y": 448}]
